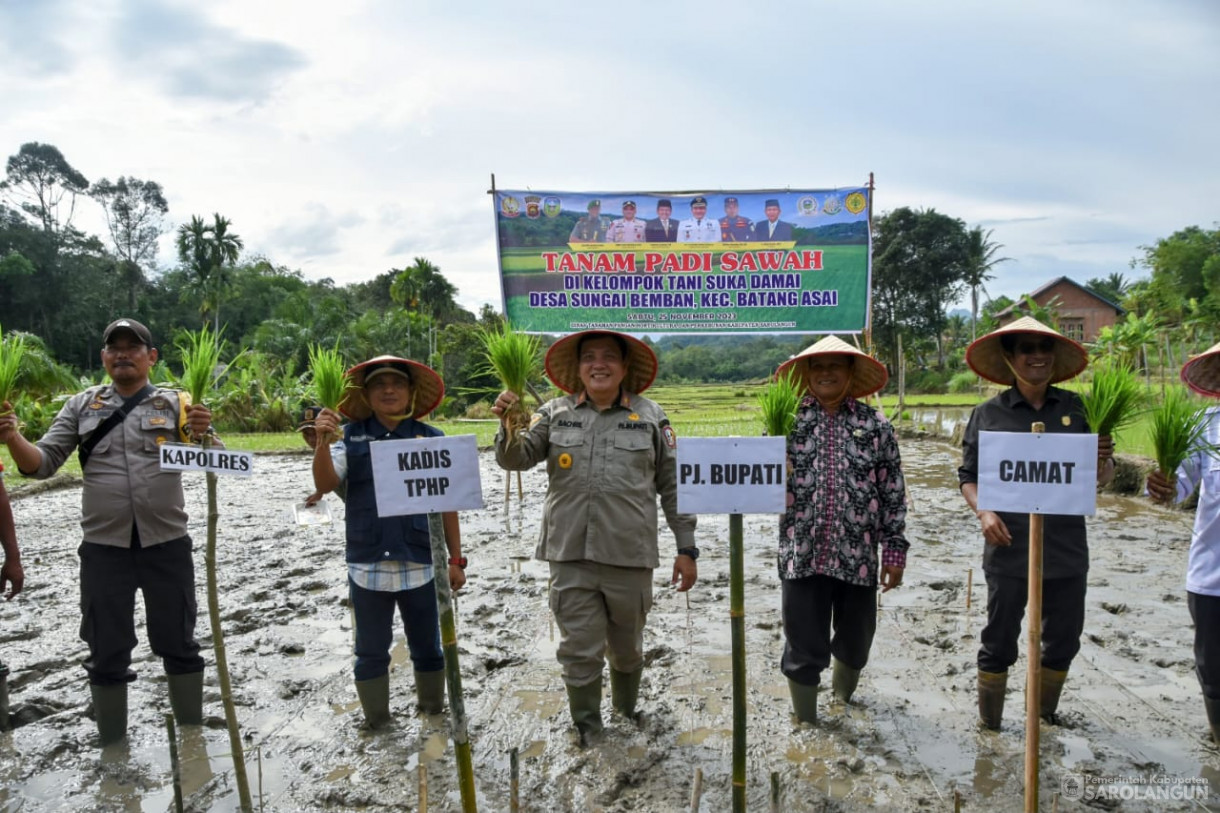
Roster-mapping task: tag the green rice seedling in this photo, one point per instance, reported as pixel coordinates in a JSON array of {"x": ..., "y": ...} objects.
[
  {"x": 1113, "y": 399},
  {"x": 200, "y": 353},
  {"x": 513, "y": 357},
  {"x": 328, "y": 381},
  {"x": 779, "y": 402},
  {"x": 12, "y": 351},
  {"x": 1177, "y": 429}
]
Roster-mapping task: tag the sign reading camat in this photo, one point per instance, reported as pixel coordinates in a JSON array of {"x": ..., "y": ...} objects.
[
  {"x": 1038, "y": 473},
  {"x": 426, "y": 475},
  {"x": 731, "y": 475},
  {"x": 185, "y": 457}
]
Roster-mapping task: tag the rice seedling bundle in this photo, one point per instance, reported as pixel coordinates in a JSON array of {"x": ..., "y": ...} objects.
[
  {"x": 200, "y": 358},
  {"x": 513, "y": 357},
  {"x": 779, "y": 402},
  {"x": 1113, "y": 399},
  {"x": 328, "y": 382},
  {"x": 12, "y": 350},
  {"x": 1177, "y": 429}
]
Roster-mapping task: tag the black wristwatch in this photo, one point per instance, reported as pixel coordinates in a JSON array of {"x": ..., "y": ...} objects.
[{"x": 692, "y": 552}]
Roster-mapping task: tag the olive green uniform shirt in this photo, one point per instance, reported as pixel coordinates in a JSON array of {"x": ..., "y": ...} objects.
[{"x": 605, "y": 471}]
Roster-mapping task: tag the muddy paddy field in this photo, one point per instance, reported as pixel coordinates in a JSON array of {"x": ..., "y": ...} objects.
[{"x": 1131, "y": 711}]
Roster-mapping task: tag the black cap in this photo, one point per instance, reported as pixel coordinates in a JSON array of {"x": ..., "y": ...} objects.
[
  {"x": 771, "y": 202},
  {"x": 131, "y": 326},
  {"x": 664, "y": 202},
  {"x": 309, "y": 416},
  {"x": 698, "y": 201}
]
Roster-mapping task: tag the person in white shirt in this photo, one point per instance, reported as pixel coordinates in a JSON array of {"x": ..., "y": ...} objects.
[
  {"x": 699, "y": 228},
  {"x": 1202, "y": 470},
  {"x": 626, "y": 229}
]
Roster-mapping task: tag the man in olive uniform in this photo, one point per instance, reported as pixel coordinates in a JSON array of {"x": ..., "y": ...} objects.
[
  {"x": 133, "y": 520},
  {"x": 592, "y": 228},
  {"x": 733, "y": 227}
]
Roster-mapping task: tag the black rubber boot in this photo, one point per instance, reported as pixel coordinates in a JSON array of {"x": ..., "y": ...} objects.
[
  {"x": 1213, "y": 717},
  {"x": 110, "y": 711},
  {"x": 585, "y": 703},
  {"x": 991, "y": 698},
  {"x": 374, "y": 695},
  {"x": 186, "y": 698},
  {"x": 430, "y": 691},
  {"x": 844, "y": 680},
  {"x": 625, "y": 691},
  {"x": 804, "y": 701}
]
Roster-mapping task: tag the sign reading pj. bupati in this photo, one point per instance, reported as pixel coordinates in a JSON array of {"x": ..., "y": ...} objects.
[{"x": 793, "y": 261}]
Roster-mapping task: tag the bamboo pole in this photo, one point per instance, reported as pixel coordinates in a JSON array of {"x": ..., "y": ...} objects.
[
  {"x": 520, "y": 490},
  {"x": 737, "y": 621},
  {"x": 514, "y": 781},
  {"x": 696, "y": 791},
  {"x": 423, "y": 788},
  {"x": 1033, "y": 674},
  {"x": 453, "y": 674},
  {"x": 174, "y": 764},
  {"x": 218, "y": 644},
  {"x": 969, "y": 585}
]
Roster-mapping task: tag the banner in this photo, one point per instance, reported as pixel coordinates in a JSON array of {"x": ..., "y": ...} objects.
[{"x": 795, "y": 261}]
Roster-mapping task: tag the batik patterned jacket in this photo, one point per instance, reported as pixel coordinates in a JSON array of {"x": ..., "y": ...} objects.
[{"x": 846, "y": 496}]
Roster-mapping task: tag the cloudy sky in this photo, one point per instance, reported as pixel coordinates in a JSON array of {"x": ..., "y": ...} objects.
[{"x": 346, "y": 138}]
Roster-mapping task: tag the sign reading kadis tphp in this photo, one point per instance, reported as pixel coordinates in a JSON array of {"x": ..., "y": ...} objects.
[
  {"x": 791, "y": 261},
  {"x": 1038, "y": 473},
  {"x": 732, "y": 475},
  {"x": 426, "y": 475}
]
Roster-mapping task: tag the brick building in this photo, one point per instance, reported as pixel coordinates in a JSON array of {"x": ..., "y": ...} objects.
[{"x": 1082, "y": 313}]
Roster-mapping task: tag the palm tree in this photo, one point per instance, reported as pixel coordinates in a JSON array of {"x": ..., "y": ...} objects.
[
  {"x": 980, "y": 259},
  {"x": 207, "y": 249}
]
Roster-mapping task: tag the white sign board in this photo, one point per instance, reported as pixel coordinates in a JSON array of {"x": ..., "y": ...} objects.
[
  {"x": 426, "y": 475},
  {"x": 1038, "y": 473},
  {"x": 732, "y": 475},
  {"x": 186, "y": 457}
]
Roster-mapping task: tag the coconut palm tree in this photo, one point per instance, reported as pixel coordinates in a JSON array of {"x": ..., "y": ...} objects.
[
  {"x": 208, "y": 250},
  {"x": 980, "y": 259}
]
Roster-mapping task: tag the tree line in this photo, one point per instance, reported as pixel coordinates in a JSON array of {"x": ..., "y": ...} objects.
[{"x": 62, "y": 285}]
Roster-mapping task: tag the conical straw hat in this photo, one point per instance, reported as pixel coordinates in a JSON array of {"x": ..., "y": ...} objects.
[
  {"x": 1202, "y": 372},
  {"x": 867, "y": 376},
  {"x": 427, "y": 389},
  {"x": 986, "y": 356},
  {"x": 563, "y": 362}
]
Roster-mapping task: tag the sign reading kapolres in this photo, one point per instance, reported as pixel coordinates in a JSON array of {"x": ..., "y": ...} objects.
[{"x": 795, "y": 261}]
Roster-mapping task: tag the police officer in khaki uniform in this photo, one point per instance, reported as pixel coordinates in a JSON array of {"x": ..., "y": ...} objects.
[
  {"x": 626, "y": 229},
  {"x": 133, "y": 520},
  {"x": 609, "y": 453}
]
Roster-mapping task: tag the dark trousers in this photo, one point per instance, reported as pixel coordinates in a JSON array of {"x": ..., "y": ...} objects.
[
  {"x": 1205, "y": 612},
  {"x": 812, "y": 607},
  {"x": 109, "y": 579},
  {"x": 1062, "y": 621},
  {"x": 374, "y": 617}
]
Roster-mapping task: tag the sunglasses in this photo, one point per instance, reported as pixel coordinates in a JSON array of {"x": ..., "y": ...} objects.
[{"x": 1029, "y": 348}]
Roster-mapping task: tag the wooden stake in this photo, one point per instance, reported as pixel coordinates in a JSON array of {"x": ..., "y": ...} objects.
[
  {"x": 175, "y": 766},
  {"x": 514, "y": 781},
  {"x": 520, "y": 489},
  {"x": 775, "y": 792},
  {"x": 737, "y": 623},
  {"x": 696, "y": 791},
  {"x": 423, "y": 788},
  {"x": 957, "y": 801},
  {"x": 969, "y": 585},
  {"x": 453, "y": 673},
  {"x": 1033, "y": 674}
]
